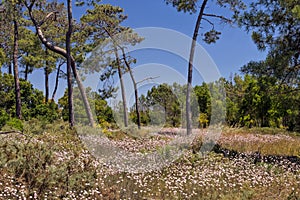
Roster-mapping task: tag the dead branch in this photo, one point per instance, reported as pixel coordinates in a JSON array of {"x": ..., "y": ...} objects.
[
  {"x": 146, "y": 79},
  {"x": 10, "y": 132}
]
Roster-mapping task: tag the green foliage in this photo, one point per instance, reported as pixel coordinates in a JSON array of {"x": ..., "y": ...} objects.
[
  {"x": 46, "y": 111},
  {"x": 33, "y": 105},
  {"x": 162, "y": 97},
  {"x": 275, "y": 26},
  {"x": 4, "y": 117},
  {"x": 189, "y": 6},
  {"x": 211, "y": 36},
  {"x": 102, "y": 111},
  {"x": 192, "y": 6},
  {"x": 48, "y": 165},
  {"x": 13, "y": 124},
  {"x": 101, "y": 22},
  {"x": 296, "y": 11},
  {"x": 2, "y": 56},
  {"x": 203, "y": 120},
  {"x": 259, "y": 100}
]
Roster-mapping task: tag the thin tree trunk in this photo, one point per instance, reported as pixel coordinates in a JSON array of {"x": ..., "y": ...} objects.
[
  {"x": 133, "y": 81},
  {"x": 26, "y": 70},
  {"x": 69, "y": 75},
  {"x": 135, "y": 90},
  {"x": 56, "y": 83},
  {"x": 83, "y": 94},
  {"x": 62, "y": 52},
  {"x": 122, "y": 89},
  {"x": 46, "y": 78},
  {"x": 10, "y": 68},
  {"x": 16, "y": 71},
  {"x": 190, "y": 70}
]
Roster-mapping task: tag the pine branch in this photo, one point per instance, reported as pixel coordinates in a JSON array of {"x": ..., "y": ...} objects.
[
  {"x": 146, "y": 79},
  {"x": 212, "y": 24},
  {"x": 47, "y": 17},
  {"x": 218, "y": 16}
]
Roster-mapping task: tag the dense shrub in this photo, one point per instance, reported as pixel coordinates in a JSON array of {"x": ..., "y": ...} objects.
[{"x": 33, "y": 103}]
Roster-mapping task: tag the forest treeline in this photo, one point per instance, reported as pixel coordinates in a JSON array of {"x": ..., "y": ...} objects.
[
  {"x": 44, "y": 35},
  {"x": 250, "y": 101}
]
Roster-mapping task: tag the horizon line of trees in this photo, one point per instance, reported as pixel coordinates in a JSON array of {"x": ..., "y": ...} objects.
[
  {"x": 250, "y": 101},
  {"x": 46, "y": 36}
]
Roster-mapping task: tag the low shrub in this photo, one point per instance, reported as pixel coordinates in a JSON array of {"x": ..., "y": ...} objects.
[{"x": 13, "y": 124}]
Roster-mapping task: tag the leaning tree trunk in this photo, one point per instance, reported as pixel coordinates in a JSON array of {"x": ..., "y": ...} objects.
[
  {"x": 122, "y": 89},
  {"x": 63, "y": 53},
  {"x": 56, "y": 82},
  {"x": 69, "y": 75},
  {"x": 83, "y": 94},
  {"x": 16, "y": 71},
  {"x": 190, "y": 70},
  {"x": 135, "y": 90},
  {"x": 133, "y": 81}
]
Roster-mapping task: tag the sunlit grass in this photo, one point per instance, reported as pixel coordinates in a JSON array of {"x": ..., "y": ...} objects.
[
  {"x": 55, "y": 164},
  {"x": 264, "y": 140}
]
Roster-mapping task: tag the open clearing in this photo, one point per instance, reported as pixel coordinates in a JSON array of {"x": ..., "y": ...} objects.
[{"x": 246, "y": 164}]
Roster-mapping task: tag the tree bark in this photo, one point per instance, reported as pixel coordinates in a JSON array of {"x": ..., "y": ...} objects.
[
  {"x": 56, "y": 83},
  {"x": 26, "y": 70},
  {"x": 122, "y": 88},
  {"x": 132, "y": 78},
  {"x": 16, "y": 71},
  {"x": 69, "y": 75},
  {"x": 190, "y": 70},
  {"x": 83, "y": 93},
  {"x": 63, "y": 53},
  {"x": 135, "y": 90},
  {"x": 9, "y": 68},
  {"x": 46, "y": 78}
]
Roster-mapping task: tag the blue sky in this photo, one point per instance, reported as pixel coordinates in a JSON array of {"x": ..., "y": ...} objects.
[{"x": 234, "y": 49}]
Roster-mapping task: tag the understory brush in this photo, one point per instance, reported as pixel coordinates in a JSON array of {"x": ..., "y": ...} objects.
[{"x": 51, "y": 162}]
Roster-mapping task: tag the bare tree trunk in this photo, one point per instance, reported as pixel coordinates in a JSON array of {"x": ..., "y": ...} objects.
[
  {"x": 132, "y": 78},
  {"x": 190, "y": 70},
  {"x": 135, "y": 90},
  {"x": 63, "y": 53},
  {"x": 26, "y": 70},
  {"x": 56, "y": 83},
  {"x": 46, "y": 78},
  {"x": 10, "y": 68},
  {"x": 83, "y": 94},
  {"x": 46, "y": 83},
  {"x": 69, "y": 75},
  {"x": 122, "y": 89},
  {"x": 16, "y": 71}
]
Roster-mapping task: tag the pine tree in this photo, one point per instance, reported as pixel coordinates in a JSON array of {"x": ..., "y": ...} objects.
[{"x": 211, "y": 36}]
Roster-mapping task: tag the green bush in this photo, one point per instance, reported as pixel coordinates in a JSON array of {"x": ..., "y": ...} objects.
[
  {"x": 48, "y": 165},
  {"x": 4, "y": 117},
  {"x": 13, "y": 124},
  {"x": 34, "y": 126}
]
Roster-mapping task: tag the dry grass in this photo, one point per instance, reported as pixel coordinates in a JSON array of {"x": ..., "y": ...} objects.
[
  {"x": 56, "y": 165},
  {"x": 265, "y": 141}
]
